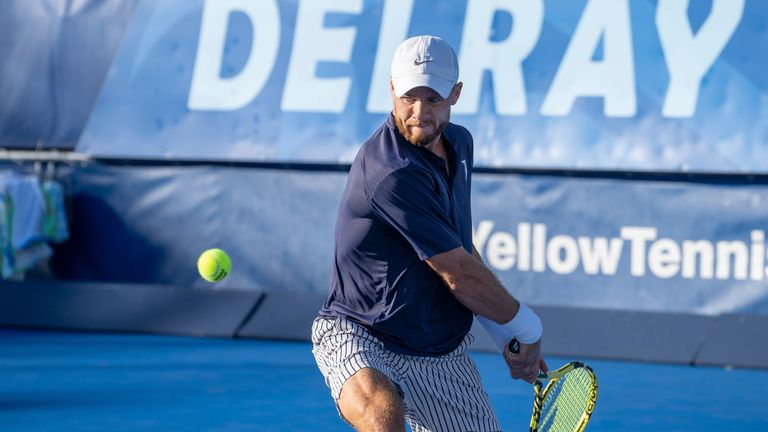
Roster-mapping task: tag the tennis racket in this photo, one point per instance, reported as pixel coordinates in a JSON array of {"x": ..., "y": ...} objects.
[{"x": 567, "y": 401}]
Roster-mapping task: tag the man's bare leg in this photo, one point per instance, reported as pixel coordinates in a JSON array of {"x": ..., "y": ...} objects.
[{"x": 370, "y": 402}]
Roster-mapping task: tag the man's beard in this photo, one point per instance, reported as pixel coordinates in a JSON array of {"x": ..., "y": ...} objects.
[{"x": 422, "y": 140}]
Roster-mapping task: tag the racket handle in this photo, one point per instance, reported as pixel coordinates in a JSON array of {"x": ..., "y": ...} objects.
[{"x": 514, "y": 346}]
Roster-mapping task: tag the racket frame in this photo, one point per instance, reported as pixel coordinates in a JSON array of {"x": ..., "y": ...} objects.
[{"x": 553, "y": 376}]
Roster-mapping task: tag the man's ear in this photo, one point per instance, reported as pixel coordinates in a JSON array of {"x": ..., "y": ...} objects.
[{"x": 455, "y": 93}]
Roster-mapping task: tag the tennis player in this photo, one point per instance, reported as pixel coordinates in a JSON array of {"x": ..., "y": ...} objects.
[{"x": 391, "y": 339}]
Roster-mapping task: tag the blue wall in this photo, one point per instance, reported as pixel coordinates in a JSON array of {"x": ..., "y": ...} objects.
[
  {"x": 649, "y": 245},
  {"x": 589, "y": 84},
  {"x": 601, "y": 84},
  {"x": 275, "y": 88},
  {"x": 55, "y": 56}
]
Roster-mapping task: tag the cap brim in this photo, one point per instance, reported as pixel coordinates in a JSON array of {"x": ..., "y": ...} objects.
[{"x": 405, "y": 83}]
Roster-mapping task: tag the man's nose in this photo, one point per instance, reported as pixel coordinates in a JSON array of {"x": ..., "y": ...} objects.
[{"x": 419, "y": 108}]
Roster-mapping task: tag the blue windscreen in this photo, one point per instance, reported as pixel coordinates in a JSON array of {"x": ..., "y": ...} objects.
[{"x": 601, "y": 84}]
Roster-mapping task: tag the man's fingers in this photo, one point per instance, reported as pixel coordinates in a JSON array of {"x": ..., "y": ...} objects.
[
  {"x": 527, "y": 372},
  {"x": 519, "y": 371},
  {"x": 527, "y": 364}
]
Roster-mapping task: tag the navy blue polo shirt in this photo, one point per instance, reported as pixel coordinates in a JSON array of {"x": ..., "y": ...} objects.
[{"x": 399, "y": 208}]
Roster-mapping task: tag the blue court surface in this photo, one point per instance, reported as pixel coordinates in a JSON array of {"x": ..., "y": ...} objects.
[{"x": 56, "y": 381}]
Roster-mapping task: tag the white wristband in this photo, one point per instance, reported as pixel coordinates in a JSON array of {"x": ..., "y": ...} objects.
[{"x": 525, "y": 327}]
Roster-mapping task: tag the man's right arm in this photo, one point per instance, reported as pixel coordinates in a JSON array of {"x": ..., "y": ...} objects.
[
  {"x": 474, "y": 285},
  {"x": 477, "y": 288}
]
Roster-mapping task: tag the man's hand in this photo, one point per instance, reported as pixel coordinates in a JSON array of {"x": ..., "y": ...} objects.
[{"x": 527, "y": 363}]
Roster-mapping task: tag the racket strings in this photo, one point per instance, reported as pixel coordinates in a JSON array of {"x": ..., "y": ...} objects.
[{"x": 566, "y": 402}]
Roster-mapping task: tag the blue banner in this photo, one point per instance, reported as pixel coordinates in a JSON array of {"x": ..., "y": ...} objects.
[
  {"x": 589, "y": 84},
  {"x": 607, "y": 244},
  {"x": 55, "y": 55},
  {"x": 626, "y": 244}
]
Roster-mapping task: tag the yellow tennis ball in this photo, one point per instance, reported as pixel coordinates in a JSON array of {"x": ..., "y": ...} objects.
[{"x": 214, "y": 265}]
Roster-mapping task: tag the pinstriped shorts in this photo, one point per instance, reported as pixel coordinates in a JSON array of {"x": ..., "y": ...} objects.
[{"x": 441, "y": 393}]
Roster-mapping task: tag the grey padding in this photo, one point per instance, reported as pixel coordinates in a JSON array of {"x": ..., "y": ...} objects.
[
  {"x": 644, "y": 336},
  {"x": 284, "y": 315},
  {"x": 737, "y": 340},
  {"x": 125, "y": 307}
]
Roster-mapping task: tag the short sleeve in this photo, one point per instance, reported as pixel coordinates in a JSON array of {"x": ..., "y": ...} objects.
[{"x": 407, "y": 200}]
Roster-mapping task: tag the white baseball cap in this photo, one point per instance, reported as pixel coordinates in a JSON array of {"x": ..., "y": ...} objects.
[{"x": 424, "y": 61}]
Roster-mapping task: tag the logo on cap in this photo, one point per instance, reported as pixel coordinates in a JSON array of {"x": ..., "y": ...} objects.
[{"x": 426, "y": 59}]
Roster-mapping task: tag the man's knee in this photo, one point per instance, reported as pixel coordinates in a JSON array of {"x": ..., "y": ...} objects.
[{"x": 370, "y": 401}]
